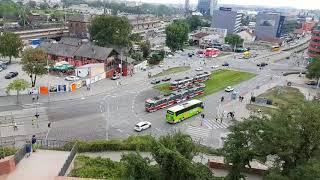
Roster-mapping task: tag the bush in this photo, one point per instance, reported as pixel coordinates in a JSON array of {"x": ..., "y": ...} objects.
[
  {"x": 137, "y": 56},
  {"x": 7, "y": 151},
  {"x": 133, "y": 143}
]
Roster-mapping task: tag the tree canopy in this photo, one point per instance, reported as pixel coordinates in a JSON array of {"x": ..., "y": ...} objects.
[
  {"x": 145, "y": 48},
  {"x": 176, "y": 35},
  {"x": 314, "y": 69},
  {"x": 291, "y": 137},
  {"x": 17, "y": 85},
  {"x": 233, "y": 39},
  {"x": 10, "y": 45},
  {"x": 34, "y": 62},
  {"x": 110, "y": 30}
]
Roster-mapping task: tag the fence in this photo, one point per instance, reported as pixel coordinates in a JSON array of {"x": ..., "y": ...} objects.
[
  {"x": 51, "y": 144},
  {"x": 19, "y": 155},
  {"x": 69, "y": 160}
]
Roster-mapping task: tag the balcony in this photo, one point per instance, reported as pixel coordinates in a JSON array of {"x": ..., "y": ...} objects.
[{"x": 314, "y": 49}]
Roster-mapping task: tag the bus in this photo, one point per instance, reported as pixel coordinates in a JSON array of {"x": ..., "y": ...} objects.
[
  {"x": 183, "y": 111},
  {"x": 275, "y": 48}
]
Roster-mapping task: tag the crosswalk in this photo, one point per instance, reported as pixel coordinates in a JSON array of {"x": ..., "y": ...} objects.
[
  {"x": 199, "y": 134},
  {"x": 213, "y": 124}
]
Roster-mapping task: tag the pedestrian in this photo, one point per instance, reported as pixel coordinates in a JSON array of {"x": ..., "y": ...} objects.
[
  {"x": 202, "y": 115},
  {"x": 28, "y": 148},
  {"x": 15, "y": 126},
  {"x": 34, "y": 143},
  {"x": 49, "y": 124},
  {"x": 242, "y": 98},
  {"x": 239, "y": 98},
  {"x": 33, "y": 98},
  {"x": 37, "y": 98},
  {"x": 222, "y": 98},
  {"x": 216, "y": 119}
]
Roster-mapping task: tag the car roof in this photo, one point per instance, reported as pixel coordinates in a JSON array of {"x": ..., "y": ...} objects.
[{"x": 142, "y": 122}]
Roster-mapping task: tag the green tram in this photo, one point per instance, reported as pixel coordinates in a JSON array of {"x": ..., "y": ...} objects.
[{"x": 183, "y": 111}]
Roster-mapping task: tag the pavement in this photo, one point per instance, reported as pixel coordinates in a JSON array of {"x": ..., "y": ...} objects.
[
  {"x": 41, "y": 165},
  {"x": 110, "y": 110}
]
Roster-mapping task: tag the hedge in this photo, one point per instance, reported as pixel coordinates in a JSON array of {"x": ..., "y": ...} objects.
[
  {"x": 8, "y": 151},
  {"x": 133, "y": 143}
]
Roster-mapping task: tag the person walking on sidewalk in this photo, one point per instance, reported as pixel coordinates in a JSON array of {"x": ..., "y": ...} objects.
[
  {"x": 34, "y": 143},
  {"x": 28, "y": 148},
  {"x": 222, "y": 98}
]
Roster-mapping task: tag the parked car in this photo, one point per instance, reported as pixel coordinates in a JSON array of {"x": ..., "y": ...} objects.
[
  {"x": 11, "y": 75},
  {"x": 199, "y": 69},
  {"x": 263, "y": 64},
  {"x": 142, "y": 126},
  {"x": 312, "y": 82},
  {"x": 166, "y": 79},
  {"x": 229, "y": 89},
  {"x": 225, "y": 64},
  {"x": 3, "y": 66},
  {"x": 155, "y": 81},
  {"x": 72, "y": 78}
]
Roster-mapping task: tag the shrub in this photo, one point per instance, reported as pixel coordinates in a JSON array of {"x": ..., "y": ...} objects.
[{"x": 7, "y": 151}]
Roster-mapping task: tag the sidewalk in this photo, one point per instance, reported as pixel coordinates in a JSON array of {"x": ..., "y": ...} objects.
[
  {"x": 97, "y": 88},
  {"x": 43, "y": 164}
]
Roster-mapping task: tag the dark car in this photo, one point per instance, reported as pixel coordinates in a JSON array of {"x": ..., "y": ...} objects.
[
  {"x": 262, "y": 64},
  {"x": 225, "y": 64},
  {"x": 166, "y": 79},
  {"x": 313, "y": 83},
  {"x": 156, "y": 81},
  {"x": 11, "y": 75}
]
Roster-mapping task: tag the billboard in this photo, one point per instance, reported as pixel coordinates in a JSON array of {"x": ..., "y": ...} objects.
[{"x": 279, "y": 30}]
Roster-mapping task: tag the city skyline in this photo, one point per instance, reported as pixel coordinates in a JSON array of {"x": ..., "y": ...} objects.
[{"x": 299, "y": 4}]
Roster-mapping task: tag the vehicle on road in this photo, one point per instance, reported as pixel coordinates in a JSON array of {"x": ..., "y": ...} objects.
[
  {"x": 188, "y": 82},
  {"x": 115, "y": 77},
  {"x": 312, "y": 83},
  {"x": 163, "y": 101},
  {"x": 140, "y": 126},
  {"x": 199, "y": 78},
  {"x": 214, "y": 66},
  {"x": 161, "y": 66},
  {"x": 155, "y": 81},
  {"x": 275, "y": 48},
  {"x": 11, "y": 75},
  {"x": 263, "y": 64},
  {"x": 199, "y": 69},
  {"x": 72, "y": 78},
  {"x": 183, "y": 111},
  {"x": 166, "y": 79},
  {"x": 225, "y": 64},
  {"x": 3, "y": 66},
  {"x": 229, "y": 89}
]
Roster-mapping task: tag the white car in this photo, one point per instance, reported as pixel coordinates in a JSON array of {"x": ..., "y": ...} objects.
[
  {"x": 199, "y": 69},
  {"x": 214, "y": 66},
  {"x": 229, "y": 89},
  {"x": 142, "y": 126},
  {"x": 72, "y": 78}
]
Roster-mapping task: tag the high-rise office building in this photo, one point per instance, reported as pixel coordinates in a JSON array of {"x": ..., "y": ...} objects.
[
  {"x": 206, "y": 7},
  {"x": 225, "y": 18},
  {"x": 269, "y": 26}
]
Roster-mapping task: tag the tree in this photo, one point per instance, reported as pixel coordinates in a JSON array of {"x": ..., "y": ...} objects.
[
  {"x": 194, "y": 22},
  {"x": 145, "y": 48},
  {"x": 314, "y": 69},
  {"x": 291, "y": 136},
  {"x": 17, "y": 85},
  {"x": 176, "y": 35},
  {"x": 234, "y": 40},
  {"x": 34, "y": 62},
  {"x": 10, "y": 45},
  {"x": 106, "y": 30}
]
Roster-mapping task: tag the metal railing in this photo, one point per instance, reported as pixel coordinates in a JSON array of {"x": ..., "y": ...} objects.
[
  {"x": 51, "y": 144},
  {"x": 19, "y": 155},
  {"x": 69, "y": 160}
]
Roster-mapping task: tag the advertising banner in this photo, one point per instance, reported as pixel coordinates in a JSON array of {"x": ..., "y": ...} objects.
[{"x": 279, "y": 30}]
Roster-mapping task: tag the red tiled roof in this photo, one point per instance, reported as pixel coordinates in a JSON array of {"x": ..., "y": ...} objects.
[{"x": 200, "y": 35}]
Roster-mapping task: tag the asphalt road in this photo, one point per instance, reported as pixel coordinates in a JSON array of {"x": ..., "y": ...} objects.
[{"x": 114, "y": 114}]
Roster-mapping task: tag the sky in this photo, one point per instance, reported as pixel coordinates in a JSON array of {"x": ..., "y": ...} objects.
[{"x": 299, "y": 4}]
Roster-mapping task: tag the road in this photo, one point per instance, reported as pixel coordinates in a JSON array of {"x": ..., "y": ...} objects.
[{"x": 113, "y": 114}]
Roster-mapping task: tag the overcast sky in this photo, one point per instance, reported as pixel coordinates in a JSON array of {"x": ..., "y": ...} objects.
[{"x": 300, "y": 4}]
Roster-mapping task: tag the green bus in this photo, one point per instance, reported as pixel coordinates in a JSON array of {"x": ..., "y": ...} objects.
[{"x": 183, "y": 111}]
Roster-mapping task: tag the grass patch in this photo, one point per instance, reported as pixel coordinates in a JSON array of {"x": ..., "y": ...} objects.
[
  {"x": 281, "y": 96},
  {"x": 222, "y": 78},
  {"x": 172, "y": 71},
  {"x": 164, "y": 88}
]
